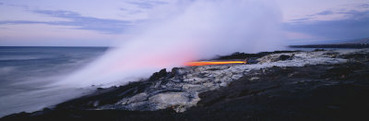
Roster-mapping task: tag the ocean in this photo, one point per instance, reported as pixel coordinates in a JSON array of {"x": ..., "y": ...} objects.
[{"x": 27, "y": 72}]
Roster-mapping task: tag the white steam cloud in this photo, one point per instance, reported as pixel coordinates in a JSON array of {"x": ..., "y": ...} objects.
[{"x": 185, "y": 32}]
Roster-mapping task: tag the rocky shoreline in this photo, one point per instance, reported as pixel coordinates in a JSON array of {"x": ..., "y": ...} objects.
[{"x": 283, "y": 85}]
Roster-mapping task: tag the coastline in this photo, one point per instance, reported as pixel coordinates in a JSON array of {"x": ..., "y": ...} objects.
[{"x": 325, "y": 89}]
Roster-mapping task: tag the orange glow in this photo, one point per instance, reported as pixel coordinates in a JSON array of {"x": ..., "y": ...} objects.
[{"x": 204, "y": 63}]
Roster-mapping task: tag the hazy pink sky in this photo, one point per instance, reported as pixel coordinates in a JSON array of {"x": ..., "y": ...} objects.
[{"x": 99, "y": 23}]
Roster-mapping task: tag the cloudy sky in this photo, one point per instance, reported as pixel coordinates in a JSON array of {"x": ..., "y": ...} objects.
[{"x": 99, "y": 23}]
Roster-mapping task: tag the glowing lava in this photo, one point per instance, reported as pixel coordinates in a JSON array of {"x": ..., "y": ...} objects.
[{"x": 204, "y": 63}]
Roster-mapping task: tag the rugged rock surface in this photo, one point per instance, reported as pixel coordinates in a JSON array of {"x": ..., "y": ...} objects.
[{"x": 318, "y": 85}]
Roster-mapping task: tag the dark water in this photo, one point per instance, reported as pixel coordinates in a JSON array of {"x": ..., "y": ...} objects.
[{"x": 30, "y": 69}]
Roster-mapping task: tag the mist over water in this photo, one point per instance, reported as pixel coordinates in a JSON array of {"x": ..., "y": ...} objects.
[
  {"x": 27, "y": 72},
  {"x": 182, "y": 32}
]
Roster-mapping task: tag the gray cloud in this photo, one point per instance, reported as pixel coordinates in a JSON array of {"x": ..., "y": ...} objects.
[
  {"x": 355, "y": 14},
  {"x": 347, "y": 13},
  {"x": 21, "y": 22},
  {"x": 147, "y": 4},
  {"x": 131, "y": 12},
  {"x": 327, "y": 12},
  {"x": 301, "y": 19},
  {"x": 355, "y": 25},
  {"x": 311, "y": 16},
  {"x": 80, "y": 22},
  {"x": 364, "y": 6}
]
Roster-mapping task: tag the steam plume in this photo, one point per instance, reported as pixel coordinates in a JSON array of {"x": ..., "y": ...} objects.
[{"x": 191, "y": 31}]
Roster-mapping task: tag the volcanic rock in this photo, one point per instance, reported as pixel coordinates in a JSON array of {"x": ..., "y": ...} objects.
[
  {"x": 180, "y": 88},
  {"x": 297, "y": 85}
]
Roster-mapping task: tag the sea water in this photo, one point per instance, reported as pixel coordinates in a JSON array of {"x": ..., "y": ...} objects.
[{"x": 27, "y": 72}]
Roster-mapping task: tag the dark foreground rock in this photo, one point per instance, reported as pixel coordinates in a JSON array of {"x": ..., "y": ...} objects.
[{"x": 335, "y": 91}]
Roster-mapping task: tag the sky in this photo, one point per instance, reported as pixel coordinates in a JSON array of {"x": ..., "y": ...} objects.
[{"x": 102, "y": 23}]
